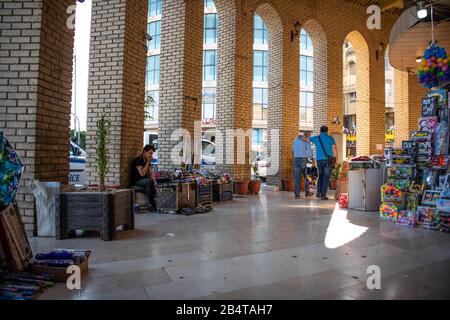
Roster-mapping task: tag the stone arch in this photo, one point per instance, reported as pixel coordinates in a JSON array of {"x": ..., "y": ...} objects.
[
  {"x": 275, "y": 112},
  {"x": 320, "y": 49},
  {"x": 363, "y": 128}
]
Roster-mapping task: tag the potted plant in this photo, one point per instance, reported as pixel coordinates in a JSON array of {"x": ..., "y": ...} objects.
[
  {"x": 255, "y": 184},
  {"x": 335, "y": 176},
  {"x": 102, "y": 209},
  {"x": 241, "y": 187}
]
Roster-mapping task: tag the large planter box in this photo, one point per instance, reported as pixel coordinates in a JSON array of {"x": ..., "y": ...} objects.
[{"x": 95, "y": 211}]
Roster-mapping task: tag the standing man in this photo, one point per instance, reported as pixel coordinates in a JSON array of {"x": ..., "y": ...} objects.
[
  {"x": 302, "y": 152},
  {"x": 325, "y": 147},
  {"x": 142, "y": 175}
]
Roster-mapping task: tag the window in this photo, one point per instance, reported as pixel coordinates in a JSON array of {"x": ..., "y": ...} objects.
[
  {"x": 306, "y": 78},
  {"x": 153, "y": 109},
  {"x": 260, "y": 101},
  {"x": 260, "y": 66},
  {"x": 209, "y": 4},
  {"x": 305, "y": 41},
  {"x": 306, "y": 107},
  {"x": 352, "y": 97},
  {"x": 259, "y": 31},
  {"x": 209, "y": 65},
  {"x": 209, "y": 104},
  {"x": 154, "y": 30},
  {"x": 154, "y": 7},
  {"x": 152, "y": 70},
  {"x": 352, "y": 68},
  {"x": 306, "y": 72},
  {"x": 210, "y": 28}
]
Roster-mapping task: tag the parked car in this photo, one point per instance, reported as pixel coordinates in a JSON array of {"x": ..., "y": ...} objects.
[
  {"x": 77, "y": 164},
  {"x": 208, "y": 153}
]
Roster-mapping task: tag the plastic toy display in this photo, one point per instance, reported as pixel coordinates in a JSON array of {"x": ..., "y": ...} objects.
[{"x": 421, "y": 189}]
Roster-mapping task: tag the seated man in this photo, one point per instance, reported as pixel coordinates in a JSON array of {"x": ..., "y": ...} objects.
[{"x": 142, "y": 175}]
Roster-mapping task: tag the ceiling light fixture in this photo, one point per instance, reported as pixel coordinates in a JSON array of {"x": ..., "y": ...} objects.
[{"x": 422, "y": 11}]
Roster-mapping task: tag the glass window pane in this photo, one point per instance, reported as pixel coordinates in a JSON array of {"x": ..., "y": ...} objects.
[
  {"x": 257, "y": 96},
  {"x": 258, "y": 22},
  {"x": 258, "y": 58},
  {"x": 310, "y": 99},
  {"x": 310, "y": 79},
  {"x": 259, "y": 36},
  {"x": 265, "y": 99},
  {"x": 303, "y": 63},
  {"x": 257, "y": 74},
  {"x": 310, "y": 65}
]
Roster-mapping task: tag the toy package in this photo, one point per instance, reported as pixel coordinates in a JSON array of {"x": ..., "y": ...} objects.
[
  {"x": 441, "y": 140},
  {"x": 409, "y": 145},
  {"x": 389, "y": 212},
  {"x": 400, "y": 172},
  {"x": 390, "y": 193},
  {"x": 444, "y": 180},
  {"x": 430, "y": 197},
  {"x": 420, "y": 135},
  {"x": 443, "y": 205},
  {"x": 401, "y": 184},
  {"x": 407, "y": 218},
  {"x": 428, "y": 218},
  {"x": 444, "y": 115},
  {"x": 429, "y": 106},
  {"x": 440, "y": 95},
  {"x": 428, "y": 124},
  {"x": 445, "y": 193},
  {"x": 444, "y": 221},
  {"x": 429, "y": 177},
  {"x": 412, "y": 200},
  {"x": 10, "y": 172}
]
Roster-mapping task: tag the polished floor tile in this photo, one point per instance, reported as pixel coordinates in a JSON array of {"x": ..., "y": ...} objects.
[{"x": 269, "y": 246}]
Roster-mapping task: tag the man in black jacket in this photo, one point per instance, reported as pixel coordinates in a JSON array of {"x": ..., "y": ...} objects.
[{"x": 142, "y": 175}]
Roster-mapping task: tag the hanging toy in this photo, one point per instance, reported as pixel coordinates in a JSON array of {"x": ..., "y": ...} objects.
[{"x": 434, "y": 67}]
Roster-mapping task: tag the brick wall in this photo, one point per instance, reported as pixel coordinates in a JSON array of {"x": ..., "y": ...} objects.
[
  {"x": 408, "y": 94},
  {"x": 180, "y": 103},
  {"x": 117, "y": 83},
  {"x": 35, "y": 90}
]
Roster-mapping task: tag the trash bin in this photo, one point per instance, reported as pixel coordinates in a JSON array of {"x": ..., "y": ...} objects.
[{"x": 46, "y": 195}]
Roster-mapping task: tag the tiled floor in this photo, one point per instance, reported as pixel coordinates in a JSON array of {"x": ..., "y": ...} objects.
[{"x": 262, "y": 247}]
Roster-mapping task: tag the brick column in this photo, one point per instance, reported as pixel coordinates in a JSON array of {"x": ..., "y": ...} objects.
[
  {"x": 35, "y": 90},
  {"x": 117, "y": 83},
  {"x": 234, "y": 86},
  {"x": 181, "y": 73},
  {"x": 370, "y": 94},
  {"x": 408, "y": 94},
  {"x": 283, "y": 104}
]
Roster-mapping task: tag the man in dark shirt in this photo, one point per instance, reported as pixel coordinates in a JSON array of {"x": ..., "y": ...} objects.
[{"x": 142, "y": 175}]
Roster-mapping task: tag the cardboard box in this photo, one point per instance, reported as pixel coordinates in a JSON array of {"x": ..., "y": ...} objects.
[{"x": 60, "y": 274}]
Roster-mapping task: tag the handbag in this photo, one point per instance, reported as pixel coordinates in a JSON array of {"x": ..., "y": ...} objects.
[{"x": 331, "y": 161}]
